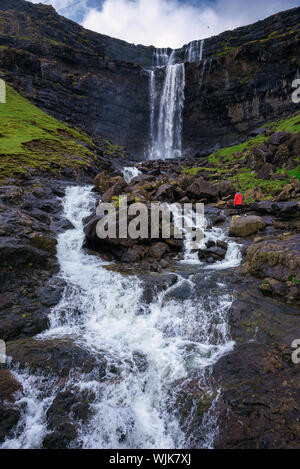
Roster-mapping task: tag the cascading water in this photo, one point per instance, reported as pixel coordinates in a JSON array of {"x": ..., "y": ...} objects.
[
  {"x": 194, "y": 51},
  {"x": 177, "y": 339},
  {"x": 130, "y": 172},
  {"x": 166, "y": 104},
  {"x": 166, "y": 111}
]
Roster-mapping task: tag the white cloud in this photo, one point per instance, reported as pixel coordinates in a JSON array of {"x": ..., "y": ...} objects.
[{"x": 169, "y": 23}]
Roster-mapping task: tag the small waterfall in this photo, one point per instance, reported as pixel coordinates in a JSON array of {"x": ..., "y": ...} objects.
[
  {"x": 161, "y": 57},
  {"x": 166, "y": 112},
  {"x": 130, "y": 172},
  {"x": 194, "y": 51},
  {"x": 178, "y": 340}
]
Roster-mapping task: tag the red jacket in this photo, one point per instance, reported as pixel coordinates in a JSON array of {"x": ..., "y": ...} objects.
[{"x": 238, "y": 199}]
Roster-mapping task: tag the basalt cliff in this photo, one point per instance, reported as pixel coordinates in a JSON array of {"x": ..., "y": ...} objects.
[{"x": 102, "y": 85}]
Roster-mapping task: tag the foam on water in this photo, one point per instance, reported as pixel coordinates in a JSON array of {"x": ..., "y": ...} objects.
[
  {"x": 175, "y": 340},
  {"x": 130, "y": 172}
]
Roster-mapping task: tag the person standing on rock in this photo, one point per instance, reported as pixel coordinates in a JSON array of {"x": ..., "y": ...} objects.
[{"x": 238, "y": 203}]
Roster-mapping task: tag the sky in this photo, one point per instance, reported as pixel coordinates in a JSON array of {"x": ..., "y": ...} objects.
[{"x": 167, "y": 23}]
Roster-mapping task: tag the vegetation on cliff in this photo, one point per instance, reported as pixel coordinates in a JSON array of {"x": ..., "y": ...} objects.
[
  {"x": 31, "y": 139},
  {"x": 232, "y": 162}
]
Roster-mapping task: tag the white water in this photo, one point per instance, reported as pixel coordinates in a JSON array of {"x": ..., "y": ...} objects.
[
  {"x": 166, "y": 109},
  {"x": 166, "y": 105},
  {"x": 194, "y": 51},
  {"x": 130, "y": 172},
  {"x": 103, "y": 311},
  {"x": 233, "y": 256}
]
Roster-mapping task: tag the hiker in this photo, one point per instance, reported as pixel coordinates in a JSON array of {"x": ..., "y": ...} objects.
[{"x": 238, "y": 202}]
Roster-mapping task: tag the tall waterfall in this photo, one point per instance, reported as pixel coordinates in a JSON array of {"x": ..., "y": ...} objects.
[
  {"x": 167, "y": 102},
  {"x": 166, "y": 110}
]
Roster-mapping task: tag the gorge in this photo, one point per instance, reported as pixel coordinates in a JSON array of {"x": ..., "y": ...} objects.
[{"x": 148, "y": 343}]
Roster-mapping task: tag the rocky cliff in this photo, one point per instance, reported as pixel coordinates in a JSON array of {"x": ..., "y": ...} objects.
[
  {"x": 100, "y": 84},
  {"x": 244, "y": 81}
]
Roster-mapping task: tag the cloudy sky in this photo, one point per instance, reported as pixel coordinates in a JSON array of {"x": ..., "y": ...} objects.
[{"x": 167, "y": 23}]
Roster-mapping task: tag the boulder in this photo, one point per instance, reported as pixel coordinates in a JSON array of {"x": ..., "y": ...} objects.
[
  {"x": 265, "y": 171},
  {"x": 225, "y": 189},
  {"x": 213, "y": 253},
  {"x": 158, "y": 250},
  {"x": 203, "y": 190},
  {"x": 165, "y": 193},
  {"x": 102, "y": 182},
  {"x": 278, "y": 138},
  {"x": 246, "y": 226}
]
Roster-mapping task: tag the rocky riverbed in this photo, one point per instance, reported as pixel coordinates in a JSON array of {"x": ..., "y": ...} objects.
[
  {"x": 152, "y": 342},
  {"x": 247, "y": 396}
]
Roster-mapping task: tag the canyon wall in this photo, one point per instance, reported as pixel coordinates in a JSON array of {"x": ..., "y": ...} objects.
[{"x": 100, "y": 84}]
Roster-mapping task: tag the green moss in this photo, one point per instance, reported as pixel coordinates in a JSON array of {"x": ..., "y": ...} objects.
[
  {"x": 228, "y": 154},
  {"x": 194, "y": 171},
  {"x": 30, "y": 138},
  {"x": 295, "y": 281},
  {"x": 292, "y": 124},
  {"x": 247, "y": 179}
]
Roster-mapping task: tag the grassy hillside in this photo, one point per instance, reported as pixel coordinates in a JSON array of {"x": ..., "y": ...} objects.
[
  {"x": 30, "y": 138},
  {"x": 230, "y": 162}
]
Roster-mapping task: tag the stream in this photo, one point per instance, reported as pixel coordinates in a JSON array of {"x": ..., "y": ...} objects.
[{"x": 153, "y": 351}]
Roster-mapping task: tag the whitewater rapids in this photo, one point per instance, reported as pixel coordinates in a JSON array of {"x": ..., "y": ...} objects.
[{"x": 104, "y": 312}]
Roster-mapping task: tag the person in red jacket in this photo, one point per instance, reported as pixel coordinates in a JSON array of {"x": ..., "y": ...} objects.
[{"x": 238, "y": 202}]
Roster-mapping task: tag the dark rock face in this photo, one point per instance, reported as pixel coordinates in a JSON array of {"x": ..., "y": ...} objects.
[
  {"x": 100, "y": 84},
  {"x": 78, "y": 76},
  {"x": 30, "y": 220},
  {"x": 9, "y": 415},
  {"x": 259, "y": 406},
  {"x": 278, "y": 263},
  {"x": 245, "y": 81}
]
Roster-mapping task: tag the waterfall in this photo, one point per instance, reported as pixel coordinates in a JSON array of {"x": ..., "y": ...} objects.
[
  {"x": 177, "y": 339},
  {"x": 194, "y": 51},
  {"x": 166, "y": 112},
  {"x": 166, "y": 104},
  {"x": 130, "y": 172}
]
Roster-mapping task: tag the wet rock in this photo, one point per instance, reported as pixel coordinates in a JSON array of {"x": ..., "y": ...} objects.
[
  {"x": 259, "y": 404},
  {"x": 214, "y": 252},
  {"x": 246, "y": 226},
  {"x": 69, "y": 408},
  {"x": 56, "y": 357},
  {"x": 158, "y": 250},
  {"x": 134, "y": 254},
  {"x": 284, "y": 210},
  {"x": 9, "y": 415},
  {"x": 155, "y": 284},
  {"x": 181, "y": 292},
  {"x": 278, "y": 262}
]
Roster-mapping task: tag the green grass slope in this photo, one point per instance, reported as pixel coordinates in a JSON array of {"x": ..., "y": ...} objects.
[
  {"x": 230, "y": 162},
  {"x": 30, "y": 138}
]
